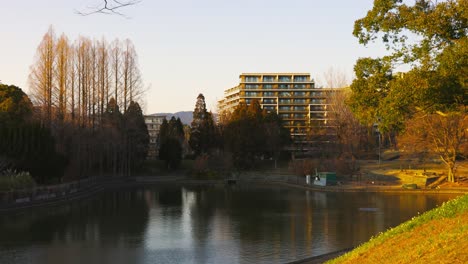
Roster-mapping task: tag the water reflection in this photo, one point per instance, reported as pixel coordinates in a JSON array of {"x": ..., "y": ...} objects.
[{"x": 171, "y": 224}]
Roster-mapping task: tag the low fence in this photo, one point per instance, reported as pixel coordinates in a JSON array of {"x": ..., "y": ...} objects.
[{"x": 51, "y": 193}]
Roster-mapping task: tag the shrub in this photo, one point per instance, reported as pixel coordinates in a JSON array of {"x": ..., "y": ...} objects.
[
  {"x": 12, "y": 180},
  {"x": 211, "y": 167}
]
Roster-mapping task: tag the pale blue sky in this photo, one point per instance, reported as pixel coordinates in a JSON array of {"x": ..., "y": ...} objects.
[{"x": 187, "y": 47}]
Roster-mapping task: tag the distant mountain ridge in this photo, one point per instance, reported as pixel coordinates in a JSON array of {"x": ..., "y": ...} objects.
[{"x": 185, "y": 116}]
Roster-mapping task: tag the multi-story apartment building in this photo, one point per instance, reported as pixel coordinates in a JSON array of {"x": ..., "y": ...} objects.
[
  {"x": 292, "y": 96},
  {"x": 153, "y": 124}
]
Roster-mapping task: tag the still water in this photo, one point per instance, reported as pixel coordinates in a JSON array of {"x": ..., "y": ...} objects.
[{"x": 175, "y": 224}]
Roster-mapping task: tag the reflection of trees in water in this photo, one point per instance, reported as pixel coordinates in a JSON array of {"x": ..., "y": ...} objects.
[
  {"x": 205, "y": 203},
  {"x": 170, "y": 197},
  {"x": 276, "y": 221},
  {"x": 108, "y": 219}
]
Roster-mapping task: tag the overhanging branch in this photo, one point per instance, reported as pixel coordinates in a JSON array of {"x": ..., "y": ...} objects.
[{"x": 109, "y": 7}]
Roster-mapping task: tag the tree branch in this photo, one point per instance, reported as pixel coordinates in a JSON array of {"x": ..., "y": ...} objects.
[{"x": 109, "y": 7}]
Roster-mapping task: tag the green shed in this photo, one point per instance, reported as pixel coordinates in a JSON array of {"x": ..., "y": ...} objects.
[{"x": 325, "y": 178}]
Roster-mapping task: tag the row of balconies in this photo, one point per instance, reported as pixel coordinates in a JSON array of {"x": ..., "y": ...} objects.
[
  {"x": 283, "y": 94},
  {"x": 272, "y": 94},
  {"x": 276, "y": 86},
  {"x": 275, "y": 78},
  {"x": 293, "y": 101}
]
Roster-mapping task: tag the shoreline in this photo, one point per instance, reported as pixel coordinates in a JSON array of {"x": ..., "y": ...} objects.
[
  {"x": 377, "y": 189},
  {"x": 140, "y": 181}
]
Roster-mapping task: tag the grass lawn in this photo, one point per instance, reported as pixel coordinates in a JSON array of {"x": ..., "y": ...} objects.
[{"x": 399, "y": 172}]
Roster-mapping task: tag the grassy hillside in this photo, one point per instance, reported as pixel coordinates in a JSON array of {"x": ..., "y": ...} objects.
[{"x": 437, "y": 236}]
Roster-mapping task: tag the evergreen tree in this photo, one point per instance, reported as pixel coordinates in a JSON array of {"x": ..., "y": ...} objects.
[
  {"x": 170, "y": 138},
  {"x": 15, "y": 106},
  {"x": 25, "y": 144},
  {"x": 203, "y": 136},
  {"x": 137, "y": 137}
]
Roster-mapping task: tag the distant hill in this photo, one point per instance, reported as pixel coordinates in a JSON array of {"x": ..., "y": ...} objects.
[{"x": 185, "y": 116}]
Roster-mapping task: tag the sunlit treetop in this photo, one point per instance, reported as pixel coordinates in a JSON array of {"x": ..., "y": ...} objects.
[{"x": 433, "y": 26}]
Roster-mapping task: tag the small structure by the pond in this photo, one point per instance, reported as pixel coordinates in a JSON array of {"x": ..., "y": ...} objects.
[{"x": 325, "y": 178}]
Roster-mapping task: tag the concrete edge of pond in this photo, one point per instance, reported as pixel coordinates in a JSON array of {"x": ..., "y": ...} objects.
[
  {"x": 376, "y": 189},
  {"x": 322, "y": 258}
]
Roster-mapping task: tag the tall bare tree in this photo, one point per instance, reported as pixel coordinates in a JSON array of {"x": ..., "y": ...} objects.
[
  {"x": 62, "y": 75},
  {"x": 116, "y": 62},
  {"x": 41, "y": 78},
  {"x": 73, "y": 86}
]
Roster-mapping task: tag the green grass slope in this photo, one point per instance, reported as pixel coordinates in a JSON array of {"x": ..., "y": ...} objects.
[{"x": 437, "y": 236}]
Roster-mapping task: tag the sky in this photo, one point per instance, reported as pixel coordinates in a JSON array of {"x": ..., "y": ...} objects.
[{"x": 187, "y": 47}]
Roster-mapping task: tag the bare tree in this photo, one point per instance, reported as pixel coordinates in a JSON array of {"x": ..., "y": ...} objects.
[
  {"x": 41, "y": 78},
  {"x": 116, "y": 62},
  {"x": 444, "y": 135},
  {"x": 108, "y": 7},
  {"x": 131, "y": 78},
  {"x": 103, "y": 75},
  {"x": 335, "y": 78},
  {"x": 348, "y": 130},
  {"x": 62, "y": 79},
  {"x": 72, "y": 82}
]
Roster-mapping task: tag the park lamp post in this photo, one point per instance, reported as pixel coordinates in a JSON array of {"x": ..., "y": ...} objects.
[{"x": 379, "y": 140}]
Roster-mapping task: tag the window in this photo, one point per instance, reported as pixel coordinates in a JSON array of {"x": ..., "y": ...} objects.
[
  {"x": 250, "y": 94},
  {"x": 268, "y": 94},
  {"x": 299, "y": 86},
  {"x": 284, "y": 116},
  {"x": 300, "y": 101},
  {"x": 284, "y": 108},
  {"x": 299, "y": 93},
  {"x": 285, "y": 101},
  {"x": 268, "y": 78},
  {"x": 284, "y": 86},
  {"x": 251, "y": 86},
  {"x": 300, "y": 78},
  {"x": 269, "y": 101},
  {"x": 318, "y": 115},
  {"x": 251, "y": 78},
  {"x": 299, "y": 108},
  {"x": 284, "y": 78},
  {"x": 316, "y": 108},
  {"x": 267, "y": 86},
  {"x": 247, "y": 101},
  {"x": 285, "y": 94},
  {"x": 269, "y": 108},
  {"x": 317, "y": 101}
]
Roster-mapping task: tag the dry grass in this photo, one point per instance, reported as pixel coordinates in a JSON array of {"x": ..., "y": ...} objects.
[{"x": 399, "y": 172}]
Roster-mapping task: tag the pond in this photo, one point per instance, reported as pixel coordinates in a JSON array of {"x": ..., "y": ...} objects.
[{"x": 187, "y": 224}]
